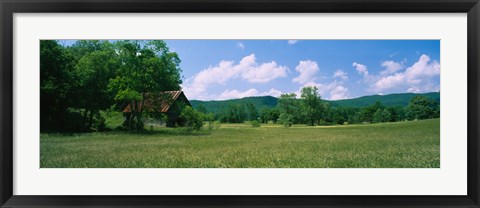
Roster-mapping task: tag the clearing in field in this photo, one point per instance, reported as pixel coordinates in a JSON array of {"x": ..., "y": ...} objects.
[{"x": 413, "y": 144}]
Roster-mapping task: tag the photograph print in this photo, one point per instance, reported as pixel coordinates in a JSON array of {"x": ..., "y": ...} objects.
[{"x": 239, "y": 103}]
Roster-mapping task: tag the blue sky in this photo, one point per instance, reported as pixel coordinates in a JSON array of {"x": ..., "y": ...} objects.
[{"x": 341, "y": 69}]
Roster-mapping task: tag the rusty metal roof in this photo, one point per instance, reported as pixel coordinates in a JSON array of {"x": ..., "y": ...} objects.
[{"x": 162, "y": 103}]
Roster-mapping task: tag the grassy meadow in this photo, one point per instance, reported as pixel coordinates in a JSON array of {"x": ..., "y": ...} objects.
[{"x": 413, "y": 144}]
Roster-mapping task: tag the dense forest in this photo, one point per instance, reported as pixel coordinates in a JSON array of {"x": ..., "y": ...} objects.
[{"x": 310, "y": 109}]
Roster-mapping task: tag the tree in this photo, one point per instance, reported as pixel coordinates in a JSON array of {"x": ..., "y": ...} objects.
[
  {"x": 55, "y": 85},
  {"x": 422, "y": 107},
  {"x": 93, "y": 73},
  {"x": 201, "y": 108},
  {"x": 274, "y": 114},
  {"x": 377, "y": 116},
  {"x": 234, "y": 113},
  {"x": 146, "y": 68},
  {"x": 252, "y": 112},
  {"x": 285, "y": 119},
  {"x": 386, "y": 115},
  {"x": 311, "y": 104},
  {"x": 288, "y": 104},
  {"x": 193, "y": 119},
  {"x": 265, "y": 115}
]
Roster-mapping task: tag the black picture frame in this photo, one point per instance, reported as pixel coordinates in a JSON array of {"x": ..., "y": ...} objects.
[{"x": 9, "y": 7}]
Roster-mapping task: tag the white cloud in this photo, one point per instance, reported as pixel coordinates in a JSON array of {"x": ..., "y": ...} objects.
[
  {"x": 240, "y": 45},
  {"x": 390, "y": 67},
  {"x": 361, "y": 69},
  {"x": 414, "y": 89},
  {"x": 307, "y": 69},
  {"x": 272, "y": 92},
  {"x": 338, "y": 93},
  {"x": 331, "y": 91},
  {"x": 416, "y": 78},
  {"x": 291, "y": 42},
  {"x": 232, "y": 94},
  {"x": 340, "y": 74},
  {"x": 196, "y": 87}
]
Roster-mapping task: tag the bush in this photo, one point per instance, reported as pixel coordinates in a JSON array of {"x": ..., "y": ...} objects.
[
  {"x": 285, "y": 119},
  {"x": 216, "y": 124},
  {"x": 193, "y": 119},
  {"x": 255, "y": 123},
  {"x": 210, "y": 118}
]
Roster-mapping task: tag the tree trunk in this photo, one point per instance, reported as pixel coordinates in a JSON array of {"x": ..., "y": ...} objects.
[
  {"x": 84, "y": 122},
  {"x": 90, "y": 120}
]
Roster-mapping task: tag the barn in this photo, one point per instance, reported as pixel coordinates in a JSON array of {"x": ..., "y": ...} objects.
[{"x": 170, "y": 103}]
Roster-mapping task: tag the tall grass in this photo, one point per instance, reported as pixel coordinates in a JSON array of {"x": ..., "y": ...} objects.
[{"x": 414, "y": 144}]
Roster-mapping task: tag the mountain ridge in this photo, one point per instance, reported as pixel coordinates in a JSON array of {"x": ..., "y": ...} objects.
[{"x": 394, "y": 99}]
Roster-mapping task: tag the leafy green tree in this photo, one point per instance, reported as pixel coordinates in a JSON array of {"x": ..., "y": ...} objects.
[
  {"x": 288, "y": 104},
  {"x": 422, "y": 107},
  {"x": 201, "y": 108},
  {"x": 252, "y": 112},
  {"x": 274, "y": 115},
  {"x": 193, "y": 119},
  {"x": 146, "y": 67},
  {"x": 265, "y": 115},
  {"x": 377, "y": 116},
  {"x": 311, "y": 104},
  {"x": 210, "y": 118},
  {"x": 285, "y": 119},
  {"x": 56, "y": 81},
  {"x": 386, "y": 115},
  {"x": 234, "y": 113},
  {"x": 93, "y": 72}
]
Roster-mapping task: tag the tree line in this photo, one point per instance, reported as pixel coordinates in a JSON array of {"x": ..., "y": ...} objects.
[
  {"x": 80, "y": 80},
  {"x": 310, "y": 109}
]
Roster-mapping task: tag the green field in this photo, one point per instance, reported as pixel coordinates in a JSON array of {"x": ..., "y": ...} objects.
[{"x": 414, "y": 144}]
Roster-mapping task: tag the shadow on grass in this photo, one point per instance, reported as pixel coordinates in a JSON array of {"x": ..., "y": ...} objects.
[{"x": 162, "y": 131}]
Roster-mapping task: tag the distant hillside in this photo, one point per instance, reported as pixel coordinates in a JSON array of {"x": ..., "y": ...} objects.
[
  {"x": 215, "y": 105},
  {"x": 401, "y": 99}
]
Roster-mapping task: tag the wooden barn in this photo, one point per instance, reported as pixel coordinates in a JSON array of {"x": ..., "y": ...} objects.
[{"x": 170, "y": 103}]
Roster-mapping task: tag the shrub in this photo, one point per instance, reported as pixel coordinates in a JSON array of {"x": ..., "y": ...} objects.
[
  {"x": 193, "y": 119},
  {"x": 285, "y": 119},
  {"x": 255, "y": 123},
  {"x": 216, "y": 124}
]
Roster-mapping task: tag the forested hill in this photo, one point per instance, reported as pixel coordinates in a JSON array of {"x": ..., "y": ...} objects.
[
  {"x": 401, "y": 99},
  {"x": 215, "y": 105}
]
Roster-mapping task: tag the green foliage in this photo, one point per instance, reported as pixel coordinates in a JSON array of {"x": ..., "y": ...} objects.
[
  {"x": 252, "y": 112},
  {"x": 312, "y": 104},
  {"x": 193, "y": 119},
  {"x": 255, "y": 123},
  {"x": 422, "y": 107},
  {"x": 217, "y": 124},
  {"x": 400, "y": 99},
  {"x": 201, "y": 108},
  {"x": 234, "y": 113},
  {"x": 285, "y": 119},
  {"x": 216, "y": 106},
  {"x": 377, "y": 116},
  {"x": 145, "y": 67},
  {"x": 210, "y": 118},
  {"x": 56, "y": 80},
  {"x": 91, "y": 76}
]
